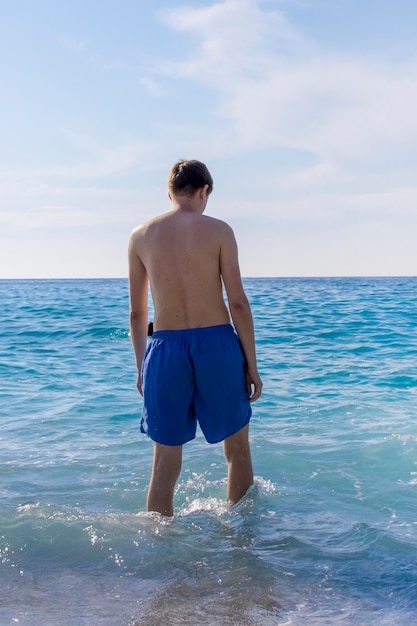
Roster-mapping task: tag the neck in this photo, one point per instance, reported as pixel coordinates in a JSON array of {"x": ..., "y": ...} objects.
[{"x": 190, "y": 204}]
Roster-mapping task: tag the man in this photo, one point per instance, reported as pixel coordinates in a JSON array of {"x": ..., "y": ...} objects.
[{"x": 194, "y": 367}]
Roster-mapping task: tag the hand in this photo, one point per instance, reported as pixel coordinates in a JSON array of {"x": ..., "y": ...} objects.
[
  {"x": 254, "y": 385},
  {"x": 139, "y": 385}
]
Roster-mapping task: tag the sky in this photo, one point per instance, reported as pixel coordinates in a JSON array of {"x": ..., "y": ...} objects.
[{"x": 303, "y": 110}]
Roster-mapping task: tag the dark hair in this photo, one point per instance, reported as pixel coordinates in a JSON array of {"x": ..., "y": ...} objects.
[{"x": 187, "y": 176}]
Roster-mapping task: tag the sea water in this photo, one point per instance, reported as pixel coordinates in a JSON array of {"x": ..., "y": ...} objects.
[{"x": 328, "y": 535}]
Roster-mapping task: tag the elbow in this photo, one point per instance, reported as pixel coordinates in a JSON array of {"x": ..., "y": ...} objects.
[
  {"x": 239, "y": 305},
  {"x": 134, "y": 315},
  {"x": 137, "y": 316}
]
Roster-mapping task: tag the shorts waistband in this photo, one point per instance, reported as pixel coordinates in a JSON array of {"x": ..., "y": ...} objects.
[{"x": 192, "y": 332}]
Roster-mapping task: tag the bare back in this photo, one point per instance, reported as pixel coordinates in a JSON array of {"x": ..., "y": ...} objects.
[{"x": 181, "y": 253}]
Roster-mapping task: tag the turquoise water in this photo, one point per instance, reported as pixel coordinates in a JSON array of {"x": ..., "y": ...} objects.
[{"x": 328, "y": 536}]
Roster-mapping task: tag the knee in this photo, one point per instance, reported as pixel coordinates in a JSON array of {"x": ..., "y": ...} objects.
[
  {"x": 237, "y": 446},
  {"x": 167, "y": 467}
]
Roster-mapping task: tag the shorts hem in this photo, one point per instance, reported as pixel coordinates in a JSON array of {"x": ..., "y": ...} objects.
[
  {"x": 163, "y": 443},
  {"x": 234, "y": 431}
]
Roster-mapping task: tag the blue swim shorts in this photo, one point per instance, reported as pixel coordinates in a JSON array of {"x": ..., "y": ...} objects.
[{"x": 190, "y": 376}]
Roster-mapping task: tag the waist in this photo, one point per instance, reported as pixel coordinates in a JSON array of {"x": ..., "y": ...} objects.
[
  {"x": 205, "y": 331},
  {"x": 180, "y": 316}
]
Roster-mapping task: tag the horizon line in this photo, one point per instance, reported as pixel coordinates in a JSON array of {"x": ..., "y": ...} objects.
[{"x": 264, "y": 277}]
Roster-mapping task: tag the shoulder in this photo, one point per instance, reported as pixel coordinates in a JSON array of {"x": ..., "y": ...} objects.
[
  {"x": 217, "y": 232},
  {"x": 136, "y": 240},
  {"x": 225, "y": 233},
  {"x": 136, "y": 232},
  {"x": 218, "y": 225},
  {"x": 136, "y": 235},
  {"x": 140, "y": 231}
]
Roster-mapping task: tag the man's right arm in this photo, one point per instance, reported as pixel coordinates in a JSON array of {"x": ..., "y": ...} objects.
[
  {"x": 138, "y": 295},
  {"x": 240, "y": 309}
]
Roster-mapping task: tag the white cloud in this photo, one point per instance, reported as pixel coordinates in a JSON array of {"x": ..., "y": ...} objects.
[
  {"x": 60, "y": 196},
  {"x": 81, "y": 48},
  {"x": 234, "y": 38},
  {"x": 279, "y": 91},
  {"x": 73, "y": 44},
  {"x": 151, "y": 86},
  {"x": 347, "y": 204},
  {"x": 37, "y": 207},
  {"x": 313, "y": 153},
  {"x": 93, "y": 161}
]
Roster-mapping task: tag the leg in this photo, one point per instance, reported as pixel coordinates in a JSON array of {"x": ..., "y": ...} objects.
[
  {"x": 165, "y": 471},
  {"x": 239, "y": 461}
]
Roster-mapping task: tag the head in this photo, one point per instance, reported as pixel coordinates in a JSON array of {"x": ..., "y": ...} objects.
[{"x": 187, "y": 177}]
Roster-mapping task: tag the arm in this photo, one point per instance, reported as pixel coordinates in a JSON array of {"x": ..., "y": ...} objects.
[
  {"x": 138, "y": 293},
  {"x": 240, "y": 310}
]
